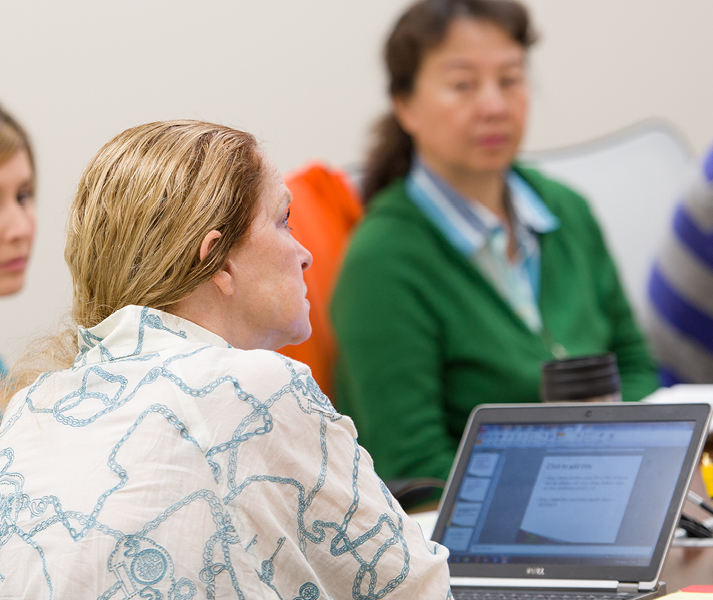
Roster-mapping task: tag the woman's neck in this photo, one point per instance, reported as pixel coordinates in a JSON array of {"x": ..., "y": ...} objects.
[{"x": 487, "y": 188}]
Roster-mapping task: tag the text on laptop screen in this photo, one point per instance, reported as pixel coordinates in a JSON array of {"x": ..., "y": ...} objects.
[{"x": 594, "y": 493}]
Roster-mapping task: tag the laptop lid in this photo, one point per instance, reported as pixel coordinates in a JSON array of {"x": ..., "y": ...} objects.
[{"x": 569, "y": 491}]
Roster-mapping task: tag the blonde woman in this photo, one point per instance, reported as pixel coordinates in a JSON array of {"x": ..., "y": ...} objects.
[
  {"x": 170, "y": 453},
  {"x": 17, "y": 207}
]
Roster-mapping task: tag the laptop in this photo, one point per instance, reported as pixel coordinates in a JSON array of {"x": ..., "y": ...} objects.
[{"x": 568, "y": 500}]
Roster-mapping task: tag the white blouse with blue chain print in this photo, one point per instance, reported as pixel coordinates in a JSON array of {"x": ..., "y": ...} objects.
[{"x": 167, "y": 465}]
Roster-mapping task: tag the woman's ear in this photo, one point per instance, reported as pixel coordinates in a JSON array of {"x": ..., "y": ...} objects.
[
  {"x": 208, "y": 242},
  {"x": 401, "y": 108},
  {"x": 222, "y": 279}
]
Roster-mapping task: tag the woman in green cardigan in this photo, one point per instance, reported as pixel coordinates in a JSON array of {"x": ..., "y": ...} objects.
[{"x": 468, "y": 271}]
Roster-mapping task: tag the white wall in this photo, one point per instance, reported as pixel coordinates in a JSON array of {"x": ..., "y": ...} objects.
[{"x": 305, "y": 76}]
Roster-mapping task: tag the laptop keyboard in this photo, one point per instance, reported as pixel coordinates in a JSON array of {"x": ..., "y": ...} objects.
[{"x": 481, "y": 594}]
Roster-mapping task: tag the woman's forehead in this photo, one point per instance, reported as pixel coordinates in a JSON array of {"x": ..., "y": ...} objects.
[
  {"x": 470, "y": 41},
  {"x": 275, "y": 194},
  {"x": 17, "y": 168}
]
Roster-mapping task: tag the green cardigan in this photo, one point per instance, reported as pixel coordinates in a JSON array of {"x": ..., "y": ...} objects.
[{"x": 424, "y": 337}]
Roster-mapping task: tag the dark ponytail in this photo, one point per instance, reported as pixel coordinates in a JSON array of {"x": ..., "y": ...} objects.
[
  {"x": 389, "y": 158},
  {"x": 421, "y": 28}
]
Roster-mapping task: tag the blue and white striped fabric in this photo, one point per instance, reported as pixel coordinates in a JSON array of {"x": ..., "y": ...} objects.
[{"x": 681, "y": 288}]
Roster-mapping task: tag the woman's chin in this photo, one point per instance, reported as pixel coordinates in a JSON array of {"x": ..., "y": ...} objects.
[
  {"x": 303, "y": 334},
  {"x": 11, "y": 283},
  {"x": 292, "y": 338},
  {"x": 494, "y": 162}
]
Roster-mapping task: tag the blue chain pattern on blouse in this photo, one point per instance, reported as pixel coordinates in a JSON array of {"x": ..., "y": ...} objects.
[{"x": 142, "y": 567}]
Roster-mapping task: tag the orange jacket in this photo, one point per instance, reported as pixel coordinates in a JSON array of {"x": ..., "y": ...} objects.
[{"x": 325, "y": 207}]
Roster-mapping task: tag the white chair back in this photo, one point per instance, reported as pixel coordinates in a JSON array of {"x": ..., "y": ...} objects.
[{"x": 632, "y": 179}]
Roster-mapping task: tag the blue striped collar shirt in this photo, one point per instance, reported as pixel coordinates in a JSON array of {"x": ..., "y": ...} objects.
[{"x": 482, "y": 237}]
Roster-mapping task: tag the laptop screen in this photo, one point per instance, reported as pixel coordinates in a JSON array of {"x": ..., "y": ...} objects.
[{"x": 591, "y": 493}]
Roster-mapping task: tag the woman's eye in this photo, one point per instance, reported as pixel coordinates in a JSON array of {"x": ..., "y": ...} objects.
[
  {"x": 285, "y": 221},
  {"x": 464, "y": 86},
  {"x": 24, "y": 198},
  {"x": 510, "y": 81}
]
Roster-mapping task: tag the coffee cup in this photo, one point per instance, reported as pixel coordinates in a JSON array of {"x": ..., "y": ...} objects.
[{"x": 581, "y": 379}]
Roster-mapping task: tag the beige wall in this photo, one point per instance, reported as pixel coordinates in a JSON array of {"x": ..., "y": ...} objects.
[{"x": 304, "y": 75}]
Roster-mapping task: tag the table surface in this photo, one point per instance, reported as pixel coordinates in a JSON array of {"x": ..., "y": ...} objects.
[
  {"x": 687, "y": 566},
  {"x": 690, "y": 566}
]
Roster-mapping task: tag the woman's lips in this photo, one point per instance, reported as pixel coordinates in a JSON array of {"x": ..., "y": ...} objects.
[
  {"x": 492, "y": 141},
  {"x": 16, "y": 265}
]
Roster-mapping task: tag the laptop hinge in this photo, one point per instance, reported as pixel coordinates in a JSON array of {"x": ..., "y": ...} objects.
[{"x": 627, "y": 588}]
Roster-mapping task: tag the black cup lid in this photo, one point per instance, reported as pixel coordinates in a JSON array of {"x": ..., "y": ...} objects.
[{"x": 580, "y": 378}]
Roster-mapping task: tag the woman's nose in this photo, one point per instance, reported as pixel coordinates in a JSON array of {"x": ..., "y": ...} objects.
[
  {"x": 15, "y": 222},
  {"x": 305, "y": 256},
  {"x": 491, "y": 100}
]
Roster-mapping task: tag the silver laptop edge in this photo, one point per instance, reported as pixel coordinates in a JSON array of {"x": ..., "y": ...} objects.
[
  {"x": 534, "y": 583},
  {"x": 679, "y": 508}
]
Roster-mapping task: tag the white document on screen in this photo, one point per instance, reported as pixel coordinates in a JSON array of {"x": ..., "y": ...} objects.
[{"x": 581, "y": 499}]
